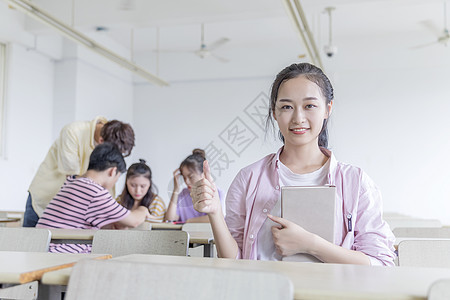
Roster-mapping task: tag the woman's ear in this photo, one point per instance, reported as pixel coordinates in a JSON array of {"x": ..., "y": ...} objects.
[
  {"x": 273, "y": 114},
  {"x": 329, "y": 109}
]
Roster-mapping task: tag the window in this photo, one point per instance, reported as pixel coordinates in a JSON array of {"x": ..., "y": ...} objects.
[{"x": 2, "y": 95}]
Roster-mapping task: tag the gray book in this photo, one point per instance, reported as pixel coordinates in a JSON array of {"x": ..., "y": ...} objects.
[{"x": 314, "y": 209}]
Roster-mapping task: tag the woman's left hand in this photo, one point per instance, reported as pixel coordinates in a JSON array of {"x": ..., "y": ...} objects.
[{"x": 290, "y": 238}]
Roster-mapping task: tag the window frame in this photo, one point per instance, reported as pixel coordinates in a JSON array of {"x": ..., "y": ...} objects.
[{"x": 3, "y": 54}]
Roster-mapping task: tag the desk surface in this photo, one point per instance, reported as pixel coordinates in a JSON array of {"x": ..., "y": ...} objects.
[
  {"x": 8, "y": 220},
  {"x": 166, "y": 226},
  {"x": 23, "y": 267},
  {"x": 327, "y": 281},
  {"x": 75, "y": 234},
  {"x": 88, "y": 234},
  {"x": 200, "y": 237}
]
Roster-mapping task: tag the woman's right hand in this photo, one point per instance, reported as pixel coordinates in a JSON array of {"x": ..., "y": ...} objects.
[
  {"x": 176, "y": 180},
  {"x": 204, "y": 194}
]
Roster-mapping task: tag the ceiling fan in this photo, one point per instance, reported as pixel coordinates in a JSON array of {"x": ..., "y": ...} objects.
[
  {"x": 443, "y": 36},
  {"x": 204, "y": 50},
  {"x": 207, "y": 50}
]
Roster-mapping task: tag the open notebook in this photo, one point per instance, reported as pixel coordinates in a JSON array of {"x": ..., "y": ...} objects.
[{"x": 313, "y": 208}]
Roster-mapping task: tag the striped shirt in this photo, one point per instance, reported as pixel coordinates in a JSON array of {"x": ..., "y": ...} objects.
[
  {"x": 157, "y": 208},
  {"x": 81, "y": 204}
]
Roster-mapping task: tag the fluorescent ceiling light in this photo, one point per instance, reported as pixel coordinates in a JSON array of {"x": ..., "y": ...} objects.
[
  {"x": 298, "y": 17},
  {"x": 76, "y": 36}
]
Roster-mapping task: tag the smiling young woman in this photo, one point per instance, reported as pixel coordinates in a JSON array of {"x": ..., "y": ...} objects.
[{"x": 301, "y": 102}]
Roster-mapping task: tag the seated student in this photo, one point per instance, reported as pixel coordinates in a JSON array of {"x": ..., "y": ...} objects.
[
  {"x": 69, "y": 155},
  {"x": 180, "y": 207},
  {"x": 301, "y": 101},
  {"x": 139, "y": 191},
  {"x": 85, "y": 203}
]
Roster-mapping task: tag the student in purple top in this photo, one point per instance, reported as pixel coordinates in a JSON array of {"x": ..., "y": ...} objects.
[
  {"x": 180, "y": 207},
  {"x": 301, "y": 102}
]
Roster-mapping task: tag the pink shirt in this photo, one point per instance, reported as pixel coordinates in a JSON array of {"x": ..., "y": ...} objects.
[{"x": 255, "y": 190}]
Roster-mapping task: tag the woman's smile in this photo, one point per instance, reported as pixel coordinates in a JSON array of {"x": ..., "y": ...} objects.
[{"x": 299, "y": 131}]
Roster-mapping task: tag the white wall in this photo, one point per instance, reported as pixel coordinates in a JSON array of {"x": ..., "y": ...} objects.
[
  {"x": 170, "y": 122},
  {"x": 389, "y": 115},
  {"x": 47, "y": 88},
  {"x": 389, "y": 118},
  {"x": 28, "y": 126}
]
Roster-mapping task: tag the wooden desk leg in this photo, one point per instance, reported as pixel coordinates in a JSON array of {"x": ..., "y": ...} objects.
[
  {"x": 208, "y": 250},
  {"x": 27, "y": 291}
]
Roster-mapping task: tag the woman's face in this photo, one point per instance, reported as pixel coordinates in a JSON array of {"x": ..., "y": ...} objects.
[
  {"x": 190, "y": 177},
  {"x": 138, "y": 187},
  {"x": 300, "y": 111}
]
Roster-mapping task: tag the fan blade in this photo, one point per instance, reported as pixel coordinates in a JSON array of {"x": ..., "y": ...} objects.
[
  {"x": 220, "y": 58},
  {"x": 218, "y": 43},
  {"x": 431, "y": 26},
  {"x": 127, "y": 5},
  {"x": 424, "y": 45},
  {"x": 173, "y": 51}
]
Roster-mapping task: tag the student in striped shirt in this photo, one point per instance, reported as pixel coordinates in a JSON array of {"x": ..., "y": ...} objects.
[
  {"x": 85, "y": 203},
  {"x": 140, "y": 191}
]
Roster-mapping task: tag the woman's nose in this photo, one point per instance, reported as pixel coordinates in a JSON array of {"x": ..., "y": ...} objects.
[{"x": 298, "y": 116}]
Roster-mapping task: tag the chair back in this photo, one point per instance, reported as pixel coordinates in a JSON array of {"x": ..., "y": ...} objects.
[
  {"x": 387, "y": 215},
  {"x": 439, "y": 290},
  {"x": 114, "y": 279},
  {"x": 412, "y": 222},
  {"x": 24, "y": 239},
  {"x": 423, "y": 232},
  {"x": 124, "y": 242},
  {"x": 424, "y": 253}
]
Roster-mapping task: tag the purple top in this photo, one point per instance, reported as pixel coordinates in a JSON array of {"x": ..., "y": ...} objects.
[{"x": 185, "y": 208}]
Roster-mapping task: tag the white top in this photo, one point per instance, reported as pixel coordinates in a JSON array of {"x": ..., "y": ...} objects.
[{"x": 266, "y": 247}]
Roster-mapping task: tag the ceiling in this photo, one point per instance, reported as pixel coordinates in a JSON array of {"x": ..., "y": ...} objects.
[{"x": 255, "y": 27}]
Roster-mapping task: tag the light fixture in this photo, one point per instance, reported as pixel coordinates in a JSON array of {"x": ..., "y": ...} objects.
[
  {"x": 330, "y": 49},
  {"x": 298, "y": 17},
  {"x": 81, "y": 39}
]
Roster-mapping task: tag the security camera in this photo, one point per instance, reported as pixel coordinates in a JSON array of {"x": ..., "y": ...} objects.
[{"x": 330, "y": 50}]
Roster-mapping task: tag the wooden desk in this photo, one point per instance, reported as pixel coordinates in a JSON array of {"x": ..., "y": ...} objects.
[
  {"x": 5, "y": 221},
  {"x": 72, "y": 236},
  {"x": 326, "y": 281},
  {"x": 166, "y": 226},
  {"x": 23, "y": 267}
]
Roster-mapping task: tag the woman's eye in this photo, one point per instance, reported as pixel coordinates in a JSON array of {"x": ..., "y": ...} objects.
[
  {"x": 286, "y": 107},
  {"x": 310, "y": 106}
]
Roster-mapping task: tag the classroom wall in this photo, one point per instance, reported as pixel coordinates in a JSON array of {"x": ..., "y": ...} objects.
[
  {"x": 218, "y": 115},
  {"x": 389, "y": 118},
  {"x": 49, "y": 87},
  {"x": 389, "y": 115},
  {"x": 28, "y": 124}
]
